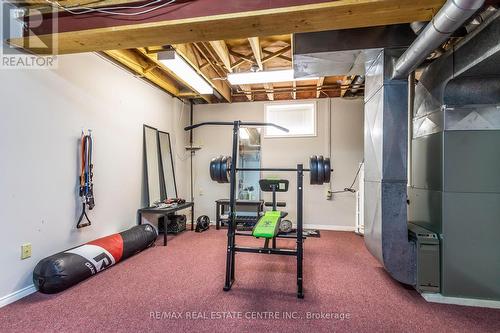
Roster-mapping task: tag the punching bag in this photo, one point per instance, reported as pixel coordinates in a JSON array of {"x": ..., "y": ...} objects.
[{"x": 65, "y": 269}]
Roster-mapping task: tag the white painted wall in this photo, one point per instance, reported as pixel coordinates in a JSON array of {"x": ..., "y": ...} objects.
[
  {"x": 347, "y": 153},
  {"x": 42, "y": 115}
]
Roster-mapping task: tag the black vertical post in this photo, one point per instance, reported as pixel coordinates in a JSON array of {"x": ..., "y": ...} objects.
[
  {"x": 300, "y": 228},
  {"x": 274, "y": 198},
  {"x": 230, "y": 266},
  {"x": 191, "y": 139}
]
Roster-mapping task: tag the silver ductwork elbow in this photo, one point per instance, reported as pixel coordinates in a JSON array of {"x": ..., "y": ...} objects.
[{"x": 453, "y": 14}]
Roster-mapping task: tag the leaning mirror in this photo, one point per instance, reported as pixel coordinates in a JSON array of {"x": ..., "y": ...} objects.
[
  {"x": 249, "y": 156},
  {"x": 167, "y": 165},
  {"x": 152, "y": 164}
]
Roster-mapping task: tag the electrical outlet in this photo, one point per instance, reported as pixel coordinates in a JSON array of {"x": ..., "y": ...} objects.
[
  {"x": 25, "y": 251},
  {"x": 201, "y": 192},
  {"x": 329, "y": 195}
]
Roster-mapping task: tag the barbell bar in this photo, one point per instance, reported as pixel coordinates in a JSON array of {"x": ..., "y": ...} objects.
[{"x": 319, "y": 169}]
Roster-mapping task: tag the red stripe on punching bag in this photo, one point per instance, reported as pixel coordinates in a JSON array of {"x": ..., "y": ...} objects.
[{"x": 113, "y": 244}]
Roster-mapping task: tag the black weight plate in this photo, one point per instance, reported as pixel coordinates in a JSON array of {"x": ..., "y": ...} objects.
[
  {"x": 217, "y": 169},
  {"x": 313, "y": 166},
  {"x": 227, "y": 172},
  {"x": 222, "y": 170},
  {"x": 327, "y": 167},
  {"x": 321, "y": 175},
  {"x": 213, "y": 168}
]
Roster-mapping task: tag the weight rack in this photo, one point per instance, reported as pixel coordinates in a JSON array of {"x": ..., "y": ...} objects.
[{"x": 319, "y": 166}]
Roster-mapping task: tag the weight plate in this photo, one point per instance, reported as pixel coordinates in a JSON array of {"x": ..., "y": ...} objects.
[
  {"x": 286, "y": 226},
  {"x": 226, "y": 170},
  {"x": 222, "y": 170},
  {"x": 202, "y": 223},
  {"x": 321, "y": 174},
  {"x": 313, "y": 166},
  {"x": 327, "y": 167},
  {"x": 213, "y": 168},
  {"x": 217, "y": 169}
]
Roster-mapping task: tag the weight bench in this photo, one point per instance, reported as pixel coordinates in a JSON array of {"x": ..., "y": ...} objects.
[{"x": 268, "y": 225}]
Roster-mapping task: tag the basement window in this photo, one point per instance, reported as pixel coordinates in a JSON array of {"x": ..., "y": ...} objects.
[{"x": 299, "y": 118}]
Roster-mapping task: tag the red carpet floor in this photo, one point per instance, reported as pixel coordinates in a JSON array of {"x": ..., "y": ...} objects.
[{"x": 178, "y": 288}]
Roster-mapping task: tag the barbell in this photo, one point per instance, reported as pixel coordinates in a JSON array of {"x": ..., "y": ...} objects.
[{"x": 319, "y": 169}]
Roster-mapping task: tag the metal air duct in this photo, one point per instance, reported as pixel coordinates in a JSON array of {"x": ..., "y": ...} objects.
[{"x": 453, "y": 14}]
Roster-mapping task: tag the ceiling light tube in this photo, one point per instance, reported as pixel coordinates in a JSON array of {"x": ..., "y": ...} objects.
[
  {"x": 185, "y": 72},
  {"x": 285, "y": 75}
]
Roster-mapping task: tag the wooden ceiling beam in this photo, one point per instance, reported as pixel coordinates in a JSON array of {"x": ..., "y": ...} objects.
[
  {"x": 279, "y": 53},
  {"x": 248, "y": 91},
  {"x": 257, "y": 51},
  {"x": 237, "y": 63},
  {"x": 247, "y": 58},
  {"x": 268, "y": 56},
  {"x": 320, "y": 84},
  {"x": 269, "y": 91},
  {"x": 143, "y": 67},
  {"x": 346, "y": 81},
  {"x": 308, "y": 91},
  {"x": 331, "y": 15},
  {"x": 222, "y": 52}
]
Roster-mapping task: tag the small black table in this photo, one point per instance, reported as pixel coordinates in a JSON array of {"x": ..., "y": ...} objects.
[
  {"x": 164, "y": 212},
  {"x": 248, "y": 206}
]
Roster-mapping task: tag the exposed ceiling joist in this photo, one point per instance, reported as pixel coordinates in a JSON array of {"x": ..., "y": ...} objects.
[
  {"x": 279, "y": 53},
  {"x": 346, "y": 82},
  {"x": 237, "y": 63},
  {"x": 257, "y": 51},
  {"x": 248, "y": 89},
  {"x": 269, "y": 91},
  {"x": 305, "y": 91},
  {"x": 222, "y": 52},
  {"x": 268, "y": 56},
  {"x": 341, "y": 14},
  {"x": 145, "y": 68},
  {"x": 244, "y": 57},
  {"x": 320, "y": 84}
]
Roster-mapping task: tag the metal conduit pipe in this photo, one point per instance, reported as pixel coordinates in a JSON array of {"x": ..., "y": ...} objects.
[
  {"x": 357, "y": 83},
  {"x": 453, "y": 14}
]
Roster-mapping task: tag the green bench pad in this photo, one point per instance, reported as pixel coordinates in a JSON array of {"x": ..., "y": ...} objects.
[{"x": 268, "y": 225}]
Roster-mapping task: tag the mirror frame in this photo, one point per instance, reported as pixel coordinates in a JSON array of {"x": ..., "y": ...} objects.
[
  {"x": 145, "y": 127},
  {"x": 163, "y": 179}
]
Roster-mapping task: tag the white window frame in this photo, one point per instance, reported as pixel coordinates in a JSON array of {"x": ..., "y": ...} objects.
[{"x": 288, "y": 135}]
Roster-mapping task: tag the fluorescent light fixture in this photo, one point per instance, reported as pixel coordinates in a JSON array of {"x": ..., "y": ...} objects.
[
  {"x": 284, "y": 75},
  {"x": 185, "y": 72},
  {"x": 244, "y": 135}
]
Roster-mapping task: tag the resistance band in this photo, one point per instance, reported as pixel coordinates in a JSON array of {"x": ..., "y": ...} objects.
[{"x": 86, "y": 175}]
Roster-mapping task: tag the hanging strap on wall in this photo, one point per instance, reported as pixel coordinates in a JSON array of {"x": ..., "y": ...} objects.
[{"x": 86, "y": 176}]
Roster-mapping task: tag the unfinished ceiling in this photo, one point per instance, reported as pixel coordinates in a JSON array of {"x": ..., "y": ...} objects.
[{"x": 217, "y": 38}]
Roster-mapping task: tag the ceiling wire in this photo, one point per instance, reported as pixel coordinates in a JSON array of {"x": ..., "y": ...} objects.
[{"x": 111, "y": 10}]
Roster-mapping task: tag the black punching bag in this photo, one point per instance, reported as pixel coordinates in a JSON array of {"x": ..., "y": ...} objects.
[{"x": 65, "y": 269}]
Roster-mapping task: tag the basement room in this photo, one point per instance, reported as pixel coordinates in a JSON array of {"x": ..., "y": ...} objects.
[{"x": 250, "y": 166}]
